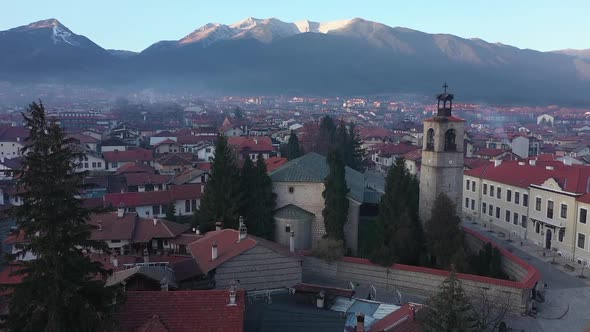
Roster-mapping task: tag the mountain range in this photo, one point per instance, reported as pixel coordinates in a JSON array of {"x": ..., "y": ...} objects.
[{"x": 269, "y": 56}]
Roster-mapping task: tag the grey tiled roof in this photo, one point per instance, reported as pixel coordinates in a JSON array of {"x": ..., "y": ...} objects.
[
  {"x": 292, "y": 212},
  {"x": 313, "y": 168}
]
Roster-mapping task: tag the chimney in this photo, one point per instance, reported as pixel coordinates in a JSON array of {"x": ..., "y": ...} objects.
[
  {"x": 232, "y": 294},
  {"x": 146, "y": 256},
  {"x": 202, "y": 188},
  {"x": 214, "y": 251},
  {"x": 549, "y": 168},
  {"x": 115, "y": 262},
  {"x": 497, "y": 162},
  {"x": 121, "y": 211},
  {"x": 164, "y": 284},
  {"x": 218, "y": 225},
  {"x": 521, "y": 163},
  {"x": 292, "y": 241},
  {"x": 360, "y": 322},
  {"x": 197, "y": 230},
  {"x": 243, "y": 231},
  {"x": 155, "y": 221},
  {"x": 533, "y": 162}
]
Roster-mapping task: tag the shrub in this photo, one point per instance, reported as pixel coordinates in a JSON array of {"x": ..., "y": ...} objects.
[{"x": 329, "y": 249}]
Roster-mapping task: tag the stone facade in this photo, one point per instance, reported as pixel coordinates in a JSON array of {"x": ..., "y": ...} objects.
[{"x": 442, "y": 163}]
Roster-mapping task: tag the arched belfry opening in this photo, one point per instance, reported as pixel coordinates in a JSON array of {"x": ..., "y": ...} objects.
[
  {"x": 450, "y": 144},
  {"x": 430, "y": 139},
  {"x": 445, "y": 102}
]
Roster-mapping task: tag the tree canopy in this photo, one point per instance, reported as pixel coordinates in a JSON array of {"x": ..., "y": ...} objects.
[
  {"x": 444, "y": 234},
  {"x": 399, "y": 229},
  {"x": 258, "y": 199},
  {"x": 222, "y": 197},
  {"x": 335, "y": 212},
  {"x": 63, "y": 289},
  {"x": 293, "y": 147}
]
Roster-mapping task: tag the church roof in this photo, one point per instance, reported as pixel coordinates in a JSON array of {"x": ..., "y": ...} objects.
[
  {"x": 313, "y": 168},
  {"x": 292, "y": 212}
]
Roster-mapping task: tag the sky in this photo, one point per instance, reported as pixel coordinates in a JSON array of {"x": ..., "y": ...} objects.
[{"x": 135, "y": 24}]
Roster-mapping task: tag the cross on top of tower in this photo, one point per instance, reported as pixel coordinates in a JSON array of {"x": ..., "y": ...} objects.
[{"x": 445, "y": 86}]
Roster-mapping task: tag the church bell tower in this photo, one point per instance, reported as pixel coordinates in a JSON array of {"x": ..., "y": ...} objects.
[{"x": 442, "y": 157}]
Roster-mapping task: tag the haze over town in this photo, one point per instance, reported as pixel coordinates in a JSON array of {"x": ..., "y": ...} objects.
[{"x": 314, "y": 167}]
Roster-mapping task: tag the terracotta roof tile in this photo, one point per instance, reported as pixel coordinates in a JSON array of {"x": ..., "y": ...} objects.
[
  {"x": 129, "y": 155},
  {"x": 254, "y": 144},
  {"x": 174, "y": 193},
  {"x": 228, "y": 247},
  {"x": 135, "y": 168},
  {"x": 182, "y": 311}
]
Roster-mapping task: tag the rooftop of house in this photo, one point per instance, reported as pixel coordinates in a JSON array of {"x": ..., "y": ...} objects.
[
  {"x": 489, "y": 152},
  {"x": 173, "y": 159},
  {"x": 135, "y": 168},
  {"x": 129, "y": 155},
  {"x": 181, "y": 311},
  {"x": 273, "y": 163},
  {"x": 390, "y": 149},
  {"x": 312, "y": 167},
  {"x": 13, "y": 134},
  {"x": 163, "y": 197},
  {"x": 253, "y": 144},
  {"x": 140, "y": 179}
]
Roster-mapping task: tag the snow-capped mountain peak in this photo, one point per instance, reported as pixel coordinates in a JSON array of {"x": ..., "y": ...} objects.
[
  {"x": 49, "y": 23},
  {"x": 264, "y": 30}
]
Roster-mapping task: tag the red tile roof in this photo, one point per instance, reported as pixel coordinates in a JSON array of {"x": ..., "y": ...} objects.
[
  {"x": 13, "y": 134},
  {"x": 227, "y": 248},
  {"x": 388, "y": 149},
  {"x": 135, "y": 168},
  {"x": 175, "y": 159},
  {"x": 413, "y": 155},
  {"x": 254, "y": 144},
  {"x": 572, "y": 178},
  {"x": 167, "y": 141},
  {"x": 7, "y": 277},
  {"x": 140, "y": 179},
  {"x": 111, "y": 227},
  {"x": 402, "y": 320},
  {"x": 148, "y": 229},
  {"x": 174, "y": 193},
  {"x": 182, "y": 311},
  {"x": 489, "y": 152},
  {"x": 377, "y": 132},
  {"x": 129, "y": 155},
  {"x": 273, "y": 163}
]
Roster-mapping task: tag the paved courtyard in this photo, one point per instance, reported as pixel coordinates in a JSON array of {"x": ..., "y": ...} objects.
[{"x": 567, "y": 305}]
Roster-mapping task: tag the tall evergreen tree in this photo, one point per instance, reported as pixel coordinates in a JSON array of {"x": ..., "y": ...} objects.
[
  {"x": 327, "y": 136},
  {"x": 335, "y": 211},
  {"x": 63, "y": 289},
  {"x": 171, "y": 212},
  {"x": 293, "y": 147},
  {"x": 258, "y": 199},
  {"x": 443, "y": 233},
  {"x": 399, "y": 230},
  {"x": 222, "y": 197},
  {"x": 357, "y": 158},
  {"x": 449, "y": 310}
]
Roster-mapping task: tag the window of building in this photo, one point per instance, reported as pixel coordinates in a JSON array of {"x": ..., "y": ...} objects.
[
  {"x": 525, "y": 200},
  {"x": 194, "y": 205},
  {"x": 115, "y": 241},
  {"x": 583, "y": 216},
  {"x": 85, "y": 165},
  {"x": 187, "y": 205},
  {"x": 581, "y": 240},
  {"x": 563, "y": 211},
  {"x": 467, "y": 184},
  {"x": 156, "y": 209},
  {"x": 99, "y": 164},
  {"x": 499, "y": 193},
  {"x": 497, "y": 212},
  {"x": 549, "y": 209},
  {"x": 114, "y": 165},
  {"x": 491, "y": 211},
  {"x": 450, "y": 140},
  {"x": 93, "y": 164},
  {"x": 473, "y": 204},
  {"x": 507, "y": 216},
  {"x": 485, "y": 188},
  {"x": 473, "y": 186},
  {"x": 523, "y": 221},
  {"x": 515, "y": 219},
  {"x": 483, "y": 207},
  {"x": 508, "y": 195},
  {"x": 430, "y": 139},
  {"x": 516, "y": 197},
  {"x": 538, "y": 204},
  {"x": 291, "y": 190},
  {"x": 537, "y": 227},
  {"x": 466, "y": 202},
  {"x": 492, "y": 191},
  {"x": 561, "y": 234},
  {"x": 207, "y": 150}
]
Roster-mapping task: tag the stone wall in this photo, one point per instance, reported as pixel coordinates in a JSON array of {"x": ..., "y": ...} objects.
[{"x": 425, "y": 281}]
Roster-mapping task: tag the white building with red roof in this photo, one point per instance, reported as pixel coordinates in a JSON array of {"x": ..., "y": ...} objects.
[{"x": 543, "y": 200}]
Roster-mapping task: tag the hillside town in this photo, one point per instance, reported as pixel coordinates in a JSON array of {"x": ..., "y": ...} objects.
[{"x": 514, "y": 174}]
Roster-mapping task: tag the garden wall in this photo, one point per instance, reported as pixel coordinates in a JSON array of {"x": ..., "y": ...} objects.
[{"x": 426, "y": 281}]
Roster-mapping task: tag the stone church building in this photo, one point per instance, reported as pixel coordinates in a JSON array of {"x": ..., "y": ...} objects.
[{"x": 442, "y": 157}]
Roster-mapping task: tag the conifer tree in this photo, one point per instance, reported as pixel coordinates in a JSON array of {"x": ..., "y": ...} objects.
[
  {"x": 449, "y": 309},
  {"x": 258, "y": 199},
  {"x": 357, "y": 158},
  {"x": 63, "y": 289},
  {"x": 293, "y": 147},
  {"x": 171, "y": 212},
  {"x": 399, "y": 229},
  {"x": 327, "y": 136},
  {"x": 335, "y": 212},
  {"x": 222, "y": 197},
  {"x": 443, "y": 233}
]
